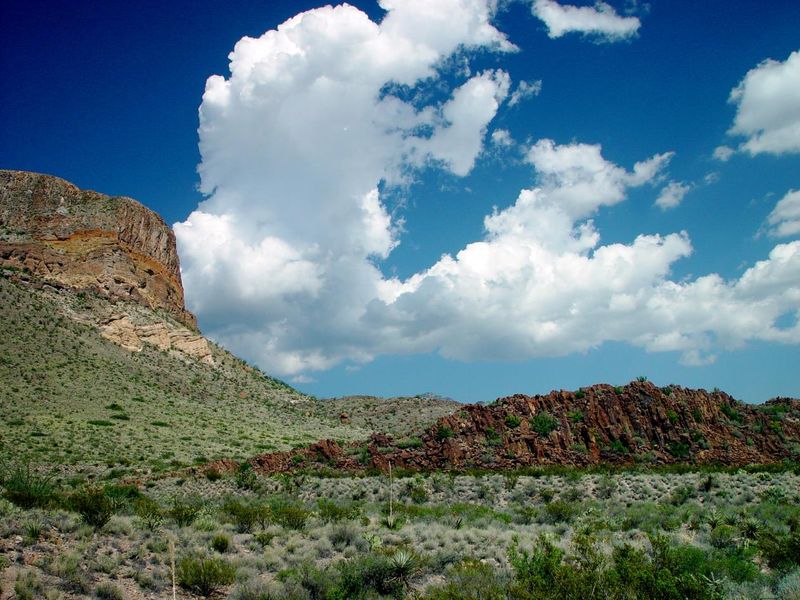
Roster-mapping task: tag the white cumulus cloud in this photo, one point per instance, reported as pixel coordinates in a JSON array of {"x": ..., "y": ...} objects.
[
  {"x": 320, "y": 117},
  {"x": 672, "y": 195},
  {"x": 600, "y": 20},
  {"x": 768, "y": 107},
  {"x": 784, "y": 220}
]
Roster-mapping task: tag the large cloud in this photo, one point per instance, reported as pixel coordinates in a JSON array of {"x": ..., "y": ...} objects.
[
  {"x": 318, "y": 118},
  {"x": 768, "y": 107},
  {"x": 601, "y": 20}
]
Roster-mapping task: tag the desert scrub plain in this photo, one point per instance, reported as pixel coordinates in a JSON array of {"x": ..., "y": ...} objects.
[{"x": 548, "y": 533}]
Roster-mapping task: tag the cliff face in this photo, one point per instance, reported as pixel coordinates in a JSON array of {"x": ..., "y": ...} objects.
[
  {"x": 85, "y": 240},
  {"x": 636, "y": 423}
]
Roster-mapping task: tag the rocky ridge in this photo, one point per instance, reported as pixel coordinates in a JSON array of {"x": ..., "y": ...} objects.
[
  {"x": 110, "y": 245},
  {"x": 635, "y": 424},
  {"x": 55, "y": 236}
]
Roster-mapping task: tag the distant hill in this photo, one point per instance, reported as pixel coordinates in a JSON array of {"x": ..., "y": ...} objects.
[{"x": 395, "y": 416}]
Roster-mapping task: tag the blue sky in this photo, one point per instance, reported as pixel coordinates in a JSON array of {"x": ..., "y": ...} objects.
[{"x": 332, "y": 186}]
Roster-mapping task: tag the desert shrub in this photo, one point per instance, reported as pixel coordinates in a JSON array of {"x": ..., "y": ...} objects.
[
  {"x": 123, "y": 495},
  {"x": 331, "y": 511},
  {"x": 606, "y": 487},
  {"x": 93, "y": 505},
  {"x": 722, "y": 536},
  {"x": 681, "y": 494},
  {"x": 559, "y": 511},
  {"x": 27, "y": 586},
  {"x": 26, "y": 487},
  {"x": 343, "y": 535},
  {"x": 289, "y": 514},
  {"x": 781, "y": 550},
  {"x": 149, "y": 512},
  {"x": 67, "y": 567},
  {"x": 245, "y": 514},
  {"x": 411, "y": 442},
  {"x": 444, "y": 432},
  {"x": 513, "y": 421},
  {"x": 246, "y": 477},
  {"x": 543, "y": 423},
  {"x": 730, "y": 412},
  {"x": 204, "y": 576},
  {"x": 469, "y": 580},
  {"x": 373, "y": 572},
  {"x": 108, "y": 591},
  {"x": 184, "y": 510},
  {"x": 221, "y": 543},
  {"x": 547, "y": 572},
  {"x": 254, "y": 590},
  {"x": 418, "y": 494},
  {"x": 788, "y": 587}
]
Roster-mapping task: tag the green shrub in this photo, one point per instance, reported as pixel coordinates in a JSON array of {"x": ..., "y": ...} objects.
[
  {"x": 678, "y": 449},
  {"x": 289, "y": 514},
  {"x": 368, "y": 573},
  {"x": 469, "y": 580},
  {"x": 575, "y": 416},
  {"x": 781, "y": 550},
  {"x": 730, "y": 412},
  {"x": 543, "y": 423},
  {"x": 513, "y": 421},
  {"x": 559, "y": 511},
  {"x": 184, "y": 511},
  {"x": 444, "y": 432},
  {"x": 149, "y": 512},
  {"x": 93, "y": 505},
  {"x": 221, "y": 543},
  {"x": 245, "y": 514},
  {"x": 671, "y": 573},
  {"x": 411, "y": 442},
  {"x": 26, "y": 487},
  {"x": 246, "y": 477},
  {"x": 108, "y": 591},
  {"x": 204, "y": 576},
  {"x": 722, "y": 536},
  {"x": 331, "y": 511}
]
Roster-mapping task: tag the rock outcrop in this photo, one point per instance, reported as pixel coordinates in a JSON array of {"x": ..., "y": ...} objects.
[
  {"x": 636, "y": 423},
  {"x": 120, "y": 329},
  {"x": 113, "y": 246}
]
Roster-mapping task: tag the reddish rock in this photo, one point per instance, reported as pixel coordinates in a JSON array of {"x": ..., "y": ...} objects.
[{"x": 637, "y": 423}]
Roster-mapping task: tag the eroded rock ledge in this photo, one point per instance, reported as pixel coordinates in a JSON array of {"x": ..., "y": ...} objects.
[{"x": 113, "y": 246}]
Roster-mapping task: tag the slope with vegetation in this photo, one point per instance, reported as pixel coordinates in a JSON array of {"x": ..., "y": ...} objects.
[{"x": 70, "y": 397}]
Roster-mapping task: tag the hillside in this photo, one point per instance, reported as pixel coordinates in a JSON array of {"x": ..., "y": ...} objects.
[
  {"x": 70, "y": 396},
  {"x": 634, "y": 424},
  {"x": 102, "y": 369},
  {"x": 394, "y": 416}
]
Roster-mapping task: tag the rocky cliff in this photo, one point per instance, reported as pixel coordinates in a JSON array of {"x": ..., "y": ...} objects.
[
  {"x": 601, "y": 424},
  {"x": 113, "y": 246}
]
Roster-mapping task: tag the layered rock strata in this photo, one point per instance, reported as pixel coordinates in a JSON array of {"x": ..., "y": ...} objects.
[{"x": 111, "y": 245}]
